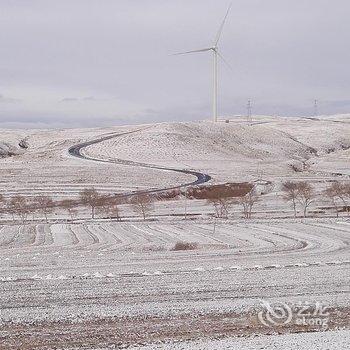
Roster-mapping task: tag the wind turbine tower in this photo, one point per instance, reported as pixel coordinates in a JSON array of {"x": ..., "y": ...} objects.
[{"x": 215, "y": 50}]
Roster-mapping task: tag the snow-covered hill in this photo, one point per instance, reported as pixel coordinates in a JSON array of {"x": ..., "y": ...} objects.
[
  {"x": 12, "y": 143},
  {"x": 207, "y": 141},
  {"x": 273, "y": 148}
]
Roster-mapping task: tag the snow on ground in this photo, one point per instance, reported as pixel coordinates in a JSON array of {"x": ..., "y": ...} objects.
[
  {"x": 222, "y": 150},
  {"x": 99, "y": 282},
  {"x": 11, "y": 142},
  {"x": 325, "y": 134},
  {"x": 227, "y": 152},
  {"x": 47, "y": 168},
  {"x": 328, "y": 135},
  {"x": 338, "y": 162},
  {"x": 228, "y": 260},
  {"x": 336, "y": 340},
  {"x": 233, "y": 151}
]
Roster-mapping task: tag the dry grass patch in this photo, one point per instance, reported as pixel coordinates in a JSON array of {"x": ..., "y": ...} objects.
[{"x": 185, "y": 246}]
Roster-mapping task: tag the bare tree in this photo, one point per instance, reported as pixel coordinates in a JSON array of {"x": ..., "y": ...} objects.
[
  {"x": 114, "y": 209},
  {"x": 10, "y": 209},
  {"x": 346, "y": 194},
  {"x": 334, "y": 194},
  {"x": 247, "y": 202},
  {"x": 305, "y": 195},
  {"x": 221, "y": 206},
  {"x": 343, "y": 190},
  {"x": 109, "y": 207},
  {"x": 2, "y": 204},
  {"x": 44, "y": 204},
  {"x": 339, "y": 192},
  {"x": 19, "y": 205},
  {"x": 142, "y": 204},
  {"x": 92, "y": 198},
  {"x": 347, "y": 190},
  {"x": 290, "y": 194},
  {"x": 223, "y": 196},
  {"x": 70, "y": 206}
]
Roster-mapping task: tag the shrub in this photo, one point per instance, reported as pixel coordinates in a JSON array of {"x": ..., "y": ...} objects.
[
  {"x": 227, "y": 190},
  {"x": 185, "y": 246}
]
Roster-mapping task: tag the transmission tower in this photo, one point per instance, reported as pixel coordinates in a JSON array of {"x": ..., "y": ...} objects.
[
  {"x": 315, "y": 108},
  {"x": 249, "y": 112}
]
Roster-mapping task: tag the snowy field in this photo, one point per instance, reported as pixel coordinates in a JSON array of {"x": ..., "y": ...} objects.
[
  {"x": 123, "y": 277},
  {"x": 338, "y": 340},
  {"x": 99, "y": 283}
]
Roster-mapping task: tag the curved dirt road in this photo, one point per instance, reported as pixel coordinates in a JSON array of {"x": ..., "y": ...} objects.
[{"x": 75, "y": 151}]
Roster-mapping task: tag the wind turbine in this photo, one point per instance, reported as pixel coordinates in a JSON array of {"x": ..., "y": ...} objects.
[{"x": 215, "y": 50}]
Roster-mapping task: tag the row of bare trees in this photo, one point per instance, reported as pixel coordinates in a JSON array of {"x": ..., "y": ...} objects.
[
  {"x": 303, "y": 194},
  {"x": 142, "y": 203},
  {"x": 300, "y": 194},
  {"x": 22, "y": 207}
]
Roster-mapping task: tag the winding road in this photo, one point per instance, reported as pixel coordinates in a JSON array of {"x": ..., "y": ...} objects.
[{"x": 76, "y": 151}]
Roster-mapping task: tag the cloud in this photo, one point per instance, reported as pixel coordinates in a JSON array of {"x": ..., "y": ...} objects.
[
  {"x": 69, "y": 99},
  {"x": 4, "y": 99},
  {"x": 112, "y": 58},
  {"x": 82, "y": 99}
]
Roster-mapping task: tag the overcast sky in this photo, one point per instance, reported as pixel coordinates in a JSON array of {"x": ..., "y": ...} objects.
[{"x": 104, "y": 62}]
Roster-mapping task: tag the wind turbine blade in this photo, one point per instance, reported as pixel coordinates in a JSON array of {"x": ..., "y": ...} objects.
[
  {"x": 193, "y": 51},
  {"x": 218, "y": 35},
  {"x": 224, "y": 60}
]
